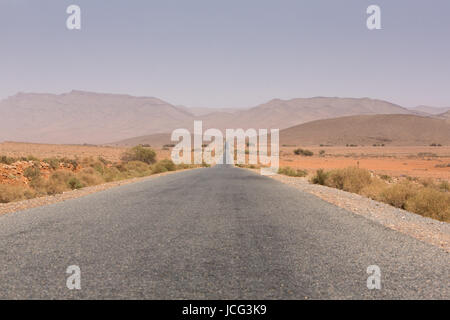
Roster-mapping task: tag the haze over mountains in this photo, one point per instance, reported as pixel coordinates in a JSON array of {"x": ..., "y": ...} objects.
[
  {"x": 430, "y": 110},
  {"x": 397, "y": 130},
  {"x": 81, "y": 117}
]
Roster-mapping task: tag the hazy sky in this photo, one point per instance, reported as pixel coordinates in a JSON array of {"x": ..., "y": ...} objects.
[{"x": 229, "y": 53}]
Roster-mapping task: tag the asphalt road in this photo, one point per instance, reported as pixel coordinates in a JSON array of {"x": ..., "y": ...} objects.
[{"x": 211, "y": 233}]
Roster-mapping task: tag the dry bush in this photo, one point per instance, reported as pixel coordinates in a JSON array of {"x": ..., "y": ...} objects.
[
  {"x": 428, "y": 182},
  {"x": 58, "y": 182},
  {"x": 137, "y": 169},
  {"x": 113, "y": 174},
  {"x": 350, "y": 179},
  {"x": 10, "y": 193},
  {"x": 168, "y": 164},
  {"x": 375, "y": 189},
  {"x": 424, "y": 198},
  {"x": 444, "y": 186},
  {"x": 303, "y": 152},
  {"x": 8, "y": 160},
  {"x": 158, "y": 168},
  {"x": 431, "y": 203},
  {"x": 164, "y": 166},
  {"x": 89, "y": 177},
  {"x": 139, "y": 153},
  {"x": 182, "y": 166},
  {"x": 320, "y": 177},
  {"x": 288, "y": 171},
  {"x": 398, "y": 194}
]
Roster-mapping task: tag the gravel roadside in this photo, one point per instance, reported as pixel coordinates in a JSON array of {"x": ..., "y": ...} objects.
[{"x": 425, "y": 229}]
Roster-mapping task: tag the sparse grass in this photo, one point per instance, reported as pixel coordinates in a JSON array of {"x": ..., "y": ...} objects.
[
  {"x": 7, "y": 160},
  {"x": 52, "y": 162},
  {"x": 9, "y": 193},
  {"x": 32, "y": 172},
  {"x": 288, "y": 171},
  {"x": 444, "y": 186},
  {"x": 58, "y": 182},
  {"x": 89, "y": 177}
]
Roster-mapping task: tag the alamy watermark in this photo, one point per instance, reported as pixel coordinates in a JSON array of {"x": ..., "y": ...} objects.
[
  {"x": 238, "y": 146},
  {"x": 73, "y": 282},
  {"x": 374, "y": 279},
  {"x": 73, "y": 22}
]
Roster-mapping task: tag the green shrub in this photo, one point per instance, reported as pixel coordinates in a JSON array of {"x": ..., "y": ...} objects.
[{"x": 140, "y": 153}]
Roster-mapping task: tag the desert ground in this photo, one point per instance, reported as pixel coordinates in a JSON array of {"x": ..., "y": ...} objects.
[
  {"x": 421, "y": 162},
  {"x": 42, "y": 151}
]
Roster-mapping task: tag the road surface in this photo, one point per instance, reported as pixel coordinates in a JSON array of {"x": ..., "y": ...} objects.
[{"x": 211, "y": 233}]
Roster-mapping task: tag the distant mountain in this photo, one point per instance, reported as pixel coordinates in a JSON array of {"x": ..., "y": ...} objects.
[
  {"x": 85, "y": 117},
  {"x": 445, "y": 116},
  {"x": 154, "y": 140},
  {"x": 81, "y": 117},
  {"x": 398, "y": 130},
  {"x": 199, "y": 111},
  {"x": 287, "y": 113},
  {"x": 430, "y": 110}
]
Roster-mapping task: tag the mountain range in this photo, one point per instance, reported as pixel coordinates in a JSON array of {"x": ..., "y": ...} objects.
[{"x": 80, "y": 117}]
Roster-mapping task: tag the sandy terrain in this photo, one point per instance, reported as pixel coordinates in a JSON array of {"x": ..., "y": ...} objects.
[
  {"x": 393, "y": 161},
  {"x": 42, "y": 151}
]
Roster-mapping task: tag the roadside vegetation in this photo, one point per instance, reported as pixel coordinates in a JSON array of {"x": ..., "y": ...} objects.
[
  {"x": 288, "y": 171},
  {"x": 424, "y": 197},
  {"x": 61, "y": 175}
]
